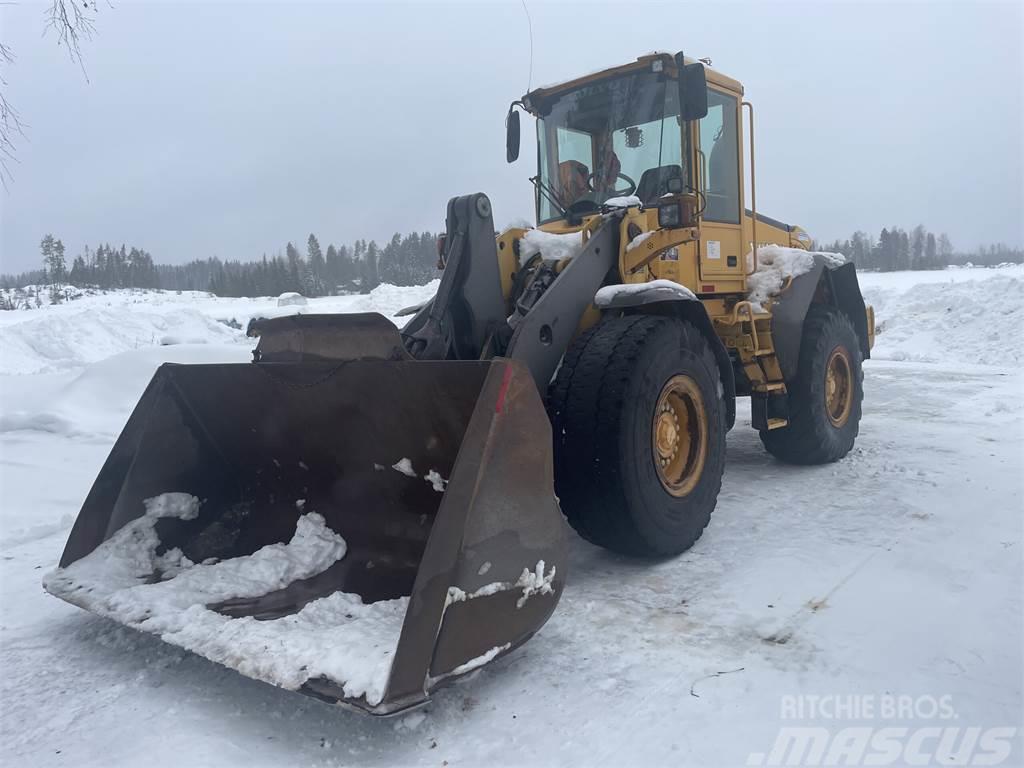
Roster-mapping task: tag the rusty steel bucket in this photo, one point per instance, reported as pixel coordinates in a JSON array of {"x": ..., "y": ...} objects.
[{"x": 461, "y": 545}]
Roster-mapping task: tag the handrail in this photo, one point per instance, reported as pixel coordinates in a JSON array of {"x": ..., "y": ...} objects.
[{"x": 753, "y": 192}]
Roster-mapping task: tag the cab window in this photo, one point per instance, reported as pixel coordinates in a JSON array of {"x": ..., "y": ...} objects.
[{"x": 719, "y": 146}]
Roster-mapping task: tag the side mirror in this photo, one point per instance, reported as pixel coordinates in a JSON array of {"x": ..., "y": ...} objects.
[
  {"x": 512, "y": 135},
  {"x": 693, "y": 89}
]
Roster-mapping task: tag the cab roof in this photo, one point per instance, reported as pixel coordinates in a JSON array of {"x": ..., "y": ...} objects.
[{"x": 533, "y": 100}]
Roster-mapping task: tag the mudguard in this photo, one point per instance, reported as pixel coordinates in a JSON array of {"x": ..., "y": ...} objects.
[
  {"x": 661, "y": 297},
  {"x": 834, "y": 286}
]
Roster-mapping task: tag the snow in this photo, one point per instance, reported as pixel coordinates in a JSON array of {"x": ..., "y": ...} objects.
[
  {"x": 956, "y": 316},
  {"x": 775, "y": 265},
  {"x": 95, "y": 326},
  {"x": 639, "y": 240},
  {"x": 609, "y": 293},
  {"x": 291, "y": 299},
  {"x": 480, "y": 660},
  {"x": 535, "y": 582},
  {"x": 437, "y": 482},
  {"x": 532, "y": 582},
  {"x": 405, "y": 467},
  {"x": 623, "y": 202},
  {"x": 519, "y": 223},
  {"x": 550, "y": 245},
  {"x": 895, "y": 571},
  {"x": 338, "y": 637}
]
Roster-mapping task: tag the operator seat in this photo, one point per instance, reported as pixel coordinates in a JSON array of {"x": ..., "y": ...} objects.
[{"x": 654, "y": 182}]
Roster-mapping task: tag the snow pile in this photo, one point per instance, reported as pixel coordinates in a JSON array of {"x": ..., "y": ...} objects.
[
  {"x": 953, "y": 322},
  {"x": 775, "y": 265},
  {"x": 291, "y": 299},
  {"x": 551, "y": 246},
  {"x": 606, "y": 295},
  {"x": 338, "y": 637},
  {"x": 70, "y": 336},
  {"x": 386, "y": 299},
  {"x": 99, "y": 400}
]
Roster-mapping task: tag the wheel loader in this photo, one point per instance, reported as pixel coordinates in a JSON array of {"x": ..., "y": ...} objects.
[{"x": 365, "y": 513}]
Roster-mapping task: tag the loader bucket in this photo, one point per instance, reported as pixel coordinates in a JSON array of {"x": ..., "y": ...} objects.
[{"x": 359, "y": 531}]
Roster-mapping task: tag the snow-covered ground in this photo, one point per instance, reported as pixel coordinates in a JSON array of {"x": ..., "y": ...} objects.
[{"x": 891, "y": 577}]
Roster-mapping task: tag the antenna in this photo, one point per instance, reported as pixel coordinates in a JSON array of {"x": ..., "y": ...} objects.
[{"x": 529, "y": 22}]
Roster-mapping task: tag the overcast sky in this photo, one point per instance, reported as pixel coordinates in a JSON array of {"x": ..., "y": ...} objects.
[{"x": 228, "y": 129}]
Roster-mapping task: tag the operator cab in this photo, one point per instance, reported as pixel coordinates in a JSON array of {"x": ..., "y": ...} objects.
[
  {"x": 617, "y": 134},
  {"x": 659, "y": 126},
  {"x": 609, "y": 139}
]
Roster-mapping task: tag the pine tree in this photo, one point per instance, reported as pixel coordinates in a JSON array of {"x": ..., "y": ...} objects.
[
  {"x": 930, "y": 253},
  {"x": 54, "y": 266},
  {"x": 46, "y": 247},
  {"x": 370, "y": 279},
  {"x": 294, "y": 268},
  {"x": 917, "y": 242},
  {"x": 945, "y": 249},
  {"x": 316, "y": 272}
]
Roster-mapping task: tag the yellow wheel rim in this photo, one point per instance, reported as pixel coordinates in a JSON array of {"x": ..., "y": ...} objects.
[
  {"x": 679, "y": 436},
  {"x": 838, "y": 387}
]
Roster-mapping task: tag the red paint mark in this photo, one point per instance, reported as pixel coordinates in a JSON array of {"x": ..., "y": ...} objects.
[
  {"x": 707, "y": 289},
  {"x": 499, "y": 406}
]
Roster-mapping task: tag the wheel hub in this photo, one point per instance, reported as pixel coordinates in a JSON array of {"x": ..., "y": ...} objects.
[
  {"x": 679, "y": 435},
  {"x": 838, "y": 387}
]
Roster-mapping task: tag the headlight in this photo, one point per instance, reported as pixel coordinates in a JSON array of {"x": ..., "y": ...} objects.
[{"x": 670, "y": 215}]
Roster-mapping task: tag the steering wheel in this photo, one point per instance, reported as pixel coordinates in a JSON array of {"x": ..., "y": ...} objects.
[{"x": 615, "y": 192}]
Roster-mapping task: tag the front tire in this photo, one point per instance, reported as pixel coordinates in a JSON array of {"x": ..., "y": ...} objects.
[
  {"x": 825, "y": 396},
  {"x": 639, "y": 427}
]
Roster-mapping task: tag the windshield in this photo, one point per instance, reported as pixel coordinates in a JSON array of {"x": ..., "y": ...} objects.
[{"x": 608, "y": 139}]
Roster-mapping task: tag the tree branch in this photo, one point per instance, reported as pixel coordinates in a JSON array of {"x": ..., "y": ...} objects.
[{"x": 73, "y": 21}]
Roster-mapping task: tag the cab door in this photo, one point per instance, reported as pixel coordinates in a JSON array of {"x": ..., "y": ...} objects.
[{"x": 718, "y": 144}]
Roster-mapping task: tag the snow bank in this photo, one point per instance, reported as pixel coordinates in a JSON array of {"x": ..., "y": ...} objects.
[
  {"x": 95, "y": 326},
  {"x": 975, "y": 321},
  {"x": 71, "y": 336},
  {"x": 338, "y": 637},
  {"x": 551, "y": 246},
  {"x": 99, "y": 400},
  {"x": 291, "y": 299}
]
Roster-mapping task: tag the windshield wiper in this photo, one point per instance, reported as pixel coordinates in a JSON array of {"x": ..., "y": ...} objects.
[{"x": 549, "y": 194}]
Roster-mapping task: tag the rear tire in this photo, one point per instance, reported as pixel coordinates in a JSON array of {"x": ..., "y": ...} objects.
[
  {"x": 825, "y": 397},
  {"x": 639, "y": 429}
]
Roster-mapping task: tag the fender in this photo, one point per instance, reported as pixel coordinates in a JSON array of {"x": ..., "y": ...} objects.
[
  {"x": 835, "y": 286},
  {"x": 664, "y": 297}
]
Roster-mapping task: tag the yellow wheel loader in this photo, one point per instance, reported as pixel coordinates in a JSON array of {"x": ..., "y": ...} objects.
[{"x": 364, "y": 513}]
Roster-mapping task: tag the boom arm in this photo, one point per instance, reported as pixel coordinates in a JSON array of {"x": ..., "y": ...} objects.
[{"x": 466, "y": 319}]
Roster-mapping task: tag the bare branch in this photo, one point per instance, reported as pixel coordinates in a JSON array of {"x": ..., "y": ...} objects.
[
  {"x": 10, "y": 121},
  {"x": 73, "y": 21}
]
